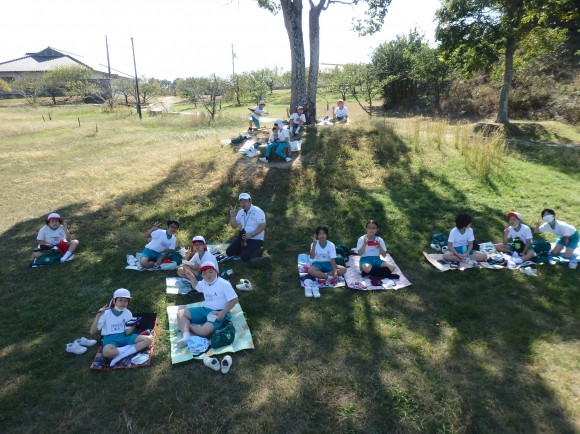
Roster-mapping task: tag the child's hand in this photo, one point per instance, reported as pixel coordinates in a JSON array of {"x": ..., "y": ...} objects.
[
  {"x": 506, "y": 230},
  {"x": 220, "y": 315},
  {"x": 232, "y": 211},
  {"x": 189, "y": 273},
  {"x": 187, "y": 254},
  {"x": 314, "y": 239},
  {"x": 156, "y": 225},
  {"x": 103, "y": 309},
  {"x": 538, "y": 224},
  {"x": 365, "y": 240},
  {"x": 65, "y": 226}
]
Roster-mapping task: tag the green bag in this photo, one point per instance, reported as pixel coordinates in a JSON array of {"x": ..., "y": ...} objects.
[
  {"x": 541, "y": 247},
  {"x": 439, "y": 239},
  {"x": 342, "y": 254},
  {"x": 175, "y": 257},
  {"x": 51, "y": 257},
  {"x": 223, "y": 336},
  {"x": 237, "y": 140}
]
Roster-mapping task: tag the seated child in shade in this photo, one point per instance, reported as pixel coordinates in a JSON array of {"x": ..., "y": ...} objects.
[
  {"x": 323, "y": 255},
  {"x": 118, "y": 339},
  {"x": 162, "y": 242},
  {"x": 461, "y": 240},
  {"x": 201, "y": 256},
  {"x": 279, "y": 140},
  {"x": 340, "y": 113},
  {"x": 370, "y": 248},
  {"x": 522, "y": 236},
  {"x": 54, "y": 233},
  {"x": 567, "y": 234},
  {"x": 297, "y": 120},
  {"x": 219, "y": 299}
]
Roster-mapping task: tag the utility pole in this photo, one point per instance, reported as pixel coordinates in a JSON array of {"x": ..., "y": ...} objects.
[
  {"x": 233, "y": 57},
  {"x": 136, "y": 81},
  {"x": 108, "y": 62}
]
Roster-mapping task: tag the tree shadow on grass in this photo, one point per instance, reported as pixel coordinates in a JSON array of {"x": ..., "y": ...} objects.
[{"x": 447, "y": 353}]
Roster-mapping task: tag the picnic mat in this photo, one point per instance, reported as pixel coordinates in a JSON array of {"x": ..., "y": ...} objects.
[
  {"x": 243, "y": 340},
  {"x": 137, "y": 266},
  {"x": 355, "y": 280},
  {"x": 101, "y": 363},
  {"x": 436, "y": 259},
  {"x": 304, "y": 263},
  {"x": 178, "y": 285}
]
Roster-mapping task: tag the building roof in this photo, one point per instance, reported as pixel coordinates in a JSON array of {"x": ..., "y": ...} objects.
[{"x": 45, "y": 60}]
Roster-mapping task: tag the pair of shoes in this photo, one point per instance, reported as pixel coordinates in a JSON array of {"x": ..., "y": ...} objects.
[
  {"x": 244, "y": 285},
  {"x": 263, "y": 159},
  {"x": 311, "y": 291},
  {"x": 79, "y": 346},
  {"x": 288, "y": 159},
  {"x": 213, "y": 363},
  {"x": 250, "y": 129}
]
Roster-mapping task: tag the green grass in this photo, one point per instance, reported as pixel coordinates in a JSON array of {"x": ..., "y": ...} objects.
[{"x": 460, "y": 352}]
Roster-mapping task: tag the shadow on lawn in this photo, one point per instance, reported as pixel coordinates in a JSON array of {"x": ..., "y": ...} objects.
[{"x": 449, "y": 353}]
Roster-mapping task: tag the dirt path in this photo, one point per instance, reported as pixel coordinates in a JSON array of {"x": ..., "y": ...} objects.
[
  {"x": 164, "y": 103},
  {"x": 549, "y": 144}
]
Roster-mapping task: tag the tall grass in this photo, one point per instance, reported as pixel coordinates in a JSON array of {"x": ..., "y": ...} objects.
[{"x": 483, "y": 154}]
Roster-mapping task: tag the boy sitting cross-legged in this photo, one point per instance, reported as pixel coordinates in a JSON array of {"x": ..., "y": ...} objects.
[
  {"x": 118, "y": 338},
  {"x": 219, "y": 299},
  {"x": 460, "y": 242}
]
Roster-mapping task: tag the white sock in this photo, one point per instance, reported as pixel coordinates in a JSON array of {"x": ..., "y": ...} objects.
[
  {"x": 183, "y": 341},
  {"x": 65, "y": 256},
  {"x": 297, "y": 129},
  {"x": 291, "y": 130},
  {"x": 129, "y": 349}
]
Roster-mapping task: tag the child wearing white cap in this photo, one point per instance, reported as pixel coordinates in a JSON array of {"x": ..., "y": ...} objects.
[
  {"x": 257, "y": 112},
  {"x": 219, "y": 299},
  {"x": 341, "y": 112},
  {"x": 297, "y": 120},
  {"x": 55, "y": 232},
  {"x": 118, "y": 338},
  {"x": 252, "y": 222},
  {"x": 281, "y": 142},
  {"x": 201, "y": 256},
  {"x": 522, "y": 236}
]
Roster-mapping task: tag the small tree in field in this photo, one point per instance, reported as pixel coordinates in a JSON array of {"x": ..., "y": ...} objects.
[
  {"x": 124, "y": 87},
  {"x": 210, "y": 91},
  {"x": 187, "y": 88},
  {"x": 148, "y": 88},
  {"x": 70, "y": 81},
  {"x": 340, "y": 81},
  {"x": 4, "y": 86},
  {"x": 29, "y": 86},
  {"x": 366, "y": 85}
]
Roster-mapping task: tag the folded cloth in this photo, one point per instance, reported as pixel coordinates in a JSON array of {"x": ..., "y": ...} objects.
[{"x": 197, "y": 345}]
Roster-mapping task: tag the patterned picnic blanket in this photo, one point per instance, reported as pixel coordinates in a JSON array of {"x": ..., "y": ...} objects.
[
  {"x": 355, "y": 280},
  {"x": 243, "y": 340},
  {"x": 304, "y": 263}
]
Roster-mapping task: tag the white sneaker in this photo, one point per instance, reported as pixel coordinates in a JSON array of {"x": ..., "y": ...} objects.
[
  {"x": 226, "y": 364},
  {"x": 245, "y": 285},
  {"x": 212, "y": 362},
  {"x": 308, "y": 291},
  {"x": 75, "y": 348},
  {"x": 263, "y": 159},
  {"x": 315, "y": 292},
  {"x": 86, "y": 342},
  {"x": 288, "y": 159}
]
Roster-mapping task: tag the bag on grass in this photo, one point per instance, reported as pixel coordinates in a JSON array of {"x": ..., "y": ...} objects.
[
  {"x": 237, "y": 140},
  {"x": 439, "y": 239},
  {"x": 342, "y": 254},
  {"x": 223, "y": 336},
  {"x": 51, "y": 257},
  {"x": 170, "y": 265},
  {"x": 519, "y": 245},
  {"x": 541, "y": 247},
  {"x": 175, "y": 257}
]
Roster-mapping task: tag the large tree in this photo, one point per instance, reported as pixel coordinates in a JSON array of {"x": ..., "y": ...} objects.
[
  {"x": 475, "y": 34},
  {"x": 304, "y": 93}
]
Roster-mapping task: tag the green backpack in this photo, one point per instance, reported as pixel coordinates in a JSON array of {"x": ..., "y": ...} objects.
[
  {"x": 51, "y": 257},
  {"x": 223, "y": 336},
  {"x": 175, "y": 257},
  {"x": 439, "y": 239},
  {"x": 541, "y": 247},
  {"x": 342, "y": 254}
]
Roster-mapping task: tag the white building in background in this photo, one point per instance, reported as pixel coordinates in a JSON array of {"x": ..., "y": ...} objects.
[{"x": 43, "y": 61}]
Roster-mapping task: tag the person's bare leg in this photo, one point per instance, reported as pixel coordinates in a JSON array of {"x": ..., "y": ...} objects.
[
  {"x": 110, "y": 351},
  {"x": 72, "y": 246},
  {"x": 478, "y": 256},
  {"x": 315, "y": 272},
  {"x": 390, "y": 266},
  {"x": 501, "y": 247},
  {"x": 146, "y": 262},
  {"x": 528, "y": 256},
  {"x": 451, "y": 257},
  {"x": 340, "y": 270},
  {"x": 557, "y": 249},
  {"x": 205, "y": 331},
  {"x": 141, "y": 342}
]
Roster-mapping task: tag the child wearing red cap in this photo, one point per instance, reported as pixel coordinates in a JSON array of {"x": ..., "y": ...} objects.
[
  {"x": 341, "y": 112},
  {"x": 257, "y": 113},
  {"x": 118, "y": 338},
  {"x": 522, "y": 236},
  {"x": 201, "y": 256},
  {"x": 219, "y": 299},
  {"x": 297, "y": 120},
  {"x": 53, "y": 234}
]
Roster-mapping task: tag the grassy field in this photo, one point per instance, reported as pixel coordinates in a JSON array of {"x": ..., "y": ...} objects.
[{"x": 461, "y": 352}]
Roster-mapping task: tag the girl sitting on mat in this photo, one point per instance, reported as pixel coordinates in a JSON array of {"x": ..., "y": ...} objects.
[
  {"x": 162, "y": 242},
  {"x": 52, "y": 235},
  {"x": 370, "y": 248},
  {"x": 201, "y": 256},
  {"x": 323, "y": 255}
]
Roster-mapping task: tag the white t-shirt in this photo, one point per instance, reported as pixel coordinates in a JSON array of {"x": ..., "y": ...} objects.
[
  {"x": 560, "y": 229},
  {"x": 283, "y": 135},
  {"x": 110, "y": 324},
  {"x": 297, "y": 118},
  {"x": 257, "y": 111},
  {"x": 524, "y": 232},
  {"x": 324, "y": 254},
  {"x": 460, "y": 239},
  {"x": 50, "y": 235},
  {"x": 159, "y": 241},
  {"x": 207, "y": 256},
  {"x": 251, "y": 220},
  {"x": 341, "y": 112},
  {"x": 217, "y": 295},
  {"x": 271, "y": 138},
  {"x": 370, "y": 250}
]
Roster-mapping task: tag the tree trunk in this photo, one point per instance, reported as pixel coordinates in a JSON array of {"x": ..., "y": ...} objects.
[
  {"x": 314, "y": 32},
  {"x": 502, "y": 113},
  {"x": 292, "y": 11}
]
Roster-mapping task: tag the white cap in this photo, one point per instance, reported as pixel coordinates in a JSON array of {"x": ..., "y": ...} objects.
[
  {"x": 341, "y": 101},
  {"x": 198, "y": 238},
  {"x": 299, "y": 108},
  {"x": 244, "y": 196},
  {"x": 261, "y": 103},
  {"x": 121, "y": 292},
  {"x": 207, "y": 265},
  {"x": 53, "y": 215},
  {"x": 279, "y": 123}
]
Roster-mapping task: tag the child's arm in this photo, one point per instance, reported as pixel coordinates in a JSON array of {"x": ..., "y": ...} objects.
[
  {"x": 155, "y": 226},
  {"x": 334, "y": 268},
  {"x": 129, "y": 331},
  {"x": 313, "y": 249},
  {"x": 452, "y": 250},
  {"x": 505, "y": 235},
  {"x": 528, "y": 244},
  {"x": 222, "y": 313},
  {"x": 66, "y": 232},
  {"x": 537, "y": 228},
  {"x": 191, "y": 276},
  {"x": 382, "y": 251},
  {"x": 94, "y": 328},
  {"x": 364, "y": 246}
]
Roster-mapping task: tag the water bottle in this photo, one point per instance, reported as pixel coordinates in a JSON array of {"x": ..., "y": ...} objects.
[{"x": 573, "y": 264}]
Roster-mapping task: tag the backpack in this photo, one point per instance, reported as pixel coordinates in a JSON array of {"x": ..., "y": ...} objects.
[
  {"x": 175, "y": 257},
  {"x": 519, "y": 245},
  {"x": 237, "y": 140},
  {"x": 439, "y": 239},
  {"x": 541, "y": 247},
  {"x": 342, "y": 254},
  {"x": 223, "y": 336},
  {"x": 51, "y": 257}
]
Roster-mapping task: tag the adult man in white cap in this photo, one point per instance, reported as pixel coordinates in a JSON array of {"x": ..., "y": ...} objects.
[
  {"x": 257, "y": 112},
  {"x": 252, "y": 221},
  {"x": 281, "y": 142},
  {"x": 297, "y": 120}
]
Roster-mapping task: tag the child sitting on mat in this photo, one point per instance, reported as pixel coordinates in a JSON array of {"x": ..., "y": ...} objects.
[
  {"x": 51, "y": 235},
  {"x": 162, "y": 242},
  {"x": 118, "y": 338},
  {"x": 567, "y": 234},
  {"x": 518, "y": 232},
  {"x": 201, "y": 256},
  {"x": 370, "y": 248},
  {"x": 323, "y": 255},
  {"x": 219, "y": 299},
  {"x": 460, "y": 242}
]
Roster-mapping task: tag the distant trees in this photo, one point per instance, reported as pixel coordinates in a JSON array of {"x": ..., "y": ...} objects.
[
  {"x": 29, "y": 86},
  {"x": 124, "y": 87},
  {"x": 148, "y": 88}
]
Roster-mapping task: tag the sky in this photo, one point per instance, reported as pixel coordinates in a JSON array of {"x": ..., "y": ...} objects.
[{"x": 178, "y": 38}]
